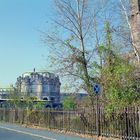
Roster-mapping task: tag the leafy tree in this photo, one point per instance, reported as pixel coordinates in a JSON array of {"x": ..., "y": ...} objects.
[
  {"x": 119, "y": 84},
  {"x": 74, "y": 42},
  {"x": 117, "y": 77},
  {"x": 78, "y": 53},
  {"x": 14, "y": 99},
  {"x": 68, "y": 103}
]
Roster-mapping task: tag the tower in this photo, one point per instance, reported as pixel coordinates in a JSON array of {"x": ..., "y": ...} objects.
[{"x": 135, "y": 22}]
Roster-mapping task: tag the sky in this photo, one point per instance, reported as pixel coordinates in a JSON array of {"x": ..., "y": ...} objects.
[{"x": 21, "y": 47}]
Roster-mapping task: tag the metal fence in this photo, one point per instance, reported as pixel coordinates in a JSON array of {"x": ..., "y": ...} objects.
[{"x": 123, "y": 124}]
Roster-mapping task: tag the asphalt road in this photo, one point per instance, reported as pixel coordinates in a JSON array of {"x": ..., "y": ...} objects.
[
  {"x": 11, "y": 135},
  {"x": 17, "y": 132}
]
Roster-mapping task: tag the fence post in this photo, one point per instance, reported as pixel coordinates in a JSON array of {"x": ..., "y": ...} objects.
[
  {"x": 98, "y": 116},
  {"x": 4, "y": 115},
  {"x": 138, "y": 122},
  {"x": 126, "y": 123}
]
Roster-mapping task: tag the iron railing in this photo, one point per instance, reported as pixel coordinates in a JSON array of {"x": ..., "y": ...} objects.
[{"x": 123, "y": 124}]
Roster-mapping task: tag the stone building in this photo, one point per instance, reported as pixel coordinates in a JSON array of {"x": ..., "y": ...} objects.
[{"x": 43, "y": 85}]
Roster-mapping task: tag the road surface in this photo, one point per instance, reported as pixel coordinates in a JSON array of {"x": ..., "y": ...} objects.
[
  {"x": 17, "y": 132},
  {"x": 10, "y": 135}
]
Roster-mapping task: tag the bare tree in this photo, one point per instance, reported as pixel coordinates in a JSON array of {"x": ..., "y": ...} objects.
[
  {"x": 76, "y": 48},
  {"x": 76, "y": 40},
  {"x": 130, "y": 21}
]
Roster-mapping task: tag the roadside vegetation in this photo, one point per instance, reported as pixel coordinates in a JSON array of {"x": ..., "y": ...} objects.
[{"x": 89, "y": 47}]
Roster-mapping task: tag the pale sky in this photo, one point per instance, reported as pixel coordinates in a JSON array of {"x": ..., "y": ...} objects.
[{"x": 21, "y": 48}]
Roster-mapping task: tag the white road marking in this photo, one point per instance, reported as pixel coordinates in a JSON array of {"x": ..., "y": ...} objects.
[{"x": 27, "y": 133}]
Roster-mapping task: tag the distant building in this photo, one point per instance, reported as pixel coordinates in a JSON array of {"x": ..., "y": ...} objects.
[
  {"x": 43, "y": 85},
  {"x": 5, "y": 92}
]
